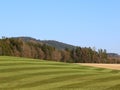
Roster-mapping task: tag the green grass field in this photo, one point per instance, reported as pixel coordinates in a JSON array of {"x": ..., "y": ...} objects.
[{"x": 31, "y": 74}]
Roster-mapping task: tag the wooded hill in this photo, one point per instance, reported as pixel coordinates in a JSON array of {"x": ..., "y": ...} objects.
[
  {"x": 53, "y": 43},
  {"x": 32, "y": 48}
]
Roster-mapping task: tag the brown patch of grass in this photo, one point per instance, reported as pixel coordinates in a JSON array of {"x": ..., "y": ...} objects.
[{"x": 109, "y": 66}]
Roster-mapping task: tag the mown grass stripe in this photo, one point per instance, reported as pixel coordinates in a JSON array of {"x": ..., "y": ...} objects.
[
  {"x": 57, "y": 85},
  {"x": 53, "y": 80},
  {"x": 33, "y": 66},
  {"x": 34, "y": 79},
  {"x": 114, "y": 87},
  {"x": 59, "y": 79},
  {"x": 92, "y": 82},
  {"x": 28, "y": 68},
  {"x": 30, "y": 74},
  {"x": 25, "y": 63}
]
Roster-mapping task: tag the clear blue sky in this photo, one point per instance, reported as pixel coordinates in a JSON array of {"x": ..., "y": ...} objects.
[{"x": 94, "y": 23}]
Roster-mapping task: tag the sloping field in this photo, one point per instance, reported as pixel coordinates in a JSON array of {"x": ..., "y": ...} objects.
[
  {"x": 28, "y": 74},
  {"x": 109, "y": 66}
]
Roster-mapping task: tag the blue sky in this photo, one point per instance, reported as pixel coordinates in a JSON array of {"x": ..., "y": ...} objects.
[{"x": 94, "y": 23}]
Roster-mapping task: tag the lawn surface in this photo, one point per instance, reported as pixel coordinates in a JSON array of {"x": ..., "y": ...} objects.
[{"x": 32, "y": 74}]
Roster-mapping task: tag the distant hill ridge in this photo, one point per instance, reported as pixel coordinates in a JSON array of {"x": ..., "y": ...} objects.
[
  {"x": 58, "y": 45},
  {"x": 53, "y": 43},
  {"x": 113, "y": 55}
]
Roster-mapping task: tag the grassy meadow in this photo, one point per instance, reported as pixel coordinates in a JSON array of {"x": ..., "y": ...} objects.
[{"x": 33, "y": 74}]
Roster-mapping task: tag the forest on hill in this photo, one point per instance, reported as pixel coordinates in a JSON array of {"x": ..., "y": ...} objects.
[
  {"x": 53, "y": 43},
  {"x": 32, "y": 48}
]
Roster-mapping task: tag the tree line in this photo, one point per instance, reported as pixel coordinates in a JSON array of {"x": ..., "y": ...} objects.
[{"x": 37, "y": 50}]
